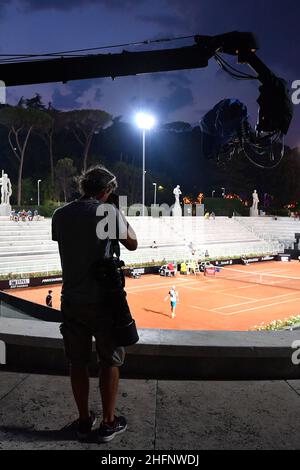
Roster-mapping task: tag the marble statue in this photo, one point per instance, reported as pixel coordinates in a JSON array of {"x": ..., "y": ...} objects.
[
  {"x": 254, "y": 207},
  {"x": 177, "y": 211},
  {"x": 6, "y": 192},
  {"x": 177, "y": 192}
]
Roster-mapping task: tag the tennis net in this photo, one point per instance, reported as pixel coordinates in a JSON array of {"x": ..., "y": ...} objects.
[{"x": 275, "y": 280}]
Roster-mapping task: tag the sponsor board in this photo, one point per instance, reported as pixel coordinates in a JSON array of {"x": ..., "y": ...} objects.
[
  {"x": 210, "y": 271},
  {"x": 223, "y": 262},
  {"x": 18, "y": 283},
  {"x": 138, "y": 270},
  {"x": 258, "y": 259},
  {"x": 49, "y": 280},
  {"x": 284, "y": 257},
  {"x": 29, "y": 282},
  {"x": 268, "y": 258}
]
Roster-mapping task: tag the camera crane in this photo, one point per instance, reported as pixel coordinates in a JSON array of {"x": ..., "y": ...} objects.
[{"x": 275, "y": 107}]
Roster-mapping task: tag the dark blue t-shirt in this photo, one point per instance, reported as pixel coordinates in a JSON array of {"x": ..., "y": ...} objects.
[{"x": 74, "y": 228}]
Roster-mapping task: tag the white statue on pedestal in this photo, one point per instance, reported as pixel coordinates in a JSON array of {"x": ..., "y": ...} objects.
[
  {"x": 6, "y": 192},
  {"x": 254, "y": 207},
  {"x": 177, "y": 192},
  {"x": 177, "y": 211}
]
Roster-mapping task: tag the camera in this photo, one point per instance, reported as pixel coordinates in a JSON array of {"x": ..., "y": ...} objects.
[{"x": 110, "y": 275}]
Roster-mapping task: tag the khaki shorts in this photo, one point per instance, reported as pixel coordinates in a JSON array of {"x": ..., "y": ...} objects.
[{"x": 82, "y": 322}]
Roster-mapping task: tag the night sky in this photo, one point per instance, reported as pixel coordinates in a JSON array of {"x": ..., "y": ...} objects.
[{"x": 30, "y": 26}]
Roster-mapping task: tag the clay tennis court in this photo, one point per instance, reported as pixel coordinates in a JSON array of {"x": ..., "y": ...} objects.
[{"x": 208, "y": 303}]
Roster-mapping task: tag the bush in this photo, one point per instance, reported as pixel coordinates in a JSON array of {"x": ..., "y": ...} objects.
[
  {"x": 276, "y": 325},
  {"x": 225, "y": 207}
]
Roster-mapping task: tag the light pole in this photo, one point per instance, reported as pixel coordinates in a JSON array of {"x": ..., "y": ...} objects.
[
  {"x": 38, "y": 185},
  {"x": 213, "y": 192},
  {"x": 223, "y": 192},
  {"x": 145, "y": 122},
  {"x": 154, "y": 184}
]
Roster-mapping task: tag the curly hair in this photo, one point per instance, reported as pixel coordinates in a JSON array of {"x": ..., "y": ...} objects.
[{"x": 96, "y": 179}]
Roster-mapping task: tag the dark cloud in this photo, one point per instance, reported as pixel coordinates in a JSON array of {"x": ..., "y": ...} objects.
[
  {"x": 166, "y": 21},
  {"x": 179, "y": 98},
  {"x": 3, "y": 5},
  {"x": 77, "y": 94},
  {"x": 178, "y": 77},
  {"x": 274, "y": 22},
  {"x": 31, "y": 5}
]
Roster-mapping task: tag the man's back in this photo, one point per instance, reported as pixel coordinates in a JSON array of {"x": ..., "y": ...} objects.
[{"x": 74, "y": 228}]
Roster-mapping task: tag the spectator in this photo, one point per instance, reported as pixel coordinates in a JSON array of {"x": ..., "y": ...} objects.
[
  {"x": 183, "y": 268},
  {"x": 171, "y": 269},
  {"x": 23, "y": 215},
  {"x": 30, "y": 215}
]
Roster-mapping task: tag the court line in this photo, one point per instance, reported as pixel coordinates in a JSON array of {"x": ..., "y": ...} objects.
[
  {"x": 200, "y": 308},
  {"x": 257, "y": 300},
  {"x": 145, "y": 287},
  {"x": 252, "y": 284},
  {"x": 214, "y": 292},
  {"x": 260, "y": 307}
]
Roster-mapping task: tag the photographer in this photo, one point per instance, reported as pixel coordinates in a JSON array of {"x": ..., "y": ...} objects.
[{"x": 89, "y": 306}]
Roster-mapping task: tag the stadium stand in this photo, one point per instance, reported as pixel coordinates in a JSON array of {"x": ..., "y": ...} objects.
[
  {"x": 26, "y": 247},
  {"x": 282, "y": 229}
]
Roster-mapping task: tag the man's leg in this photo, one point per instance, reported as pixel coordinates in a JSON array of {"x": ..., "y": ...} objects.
[
  {"x": 80, "y": 387},
  {"x": 109, "y": 381}
]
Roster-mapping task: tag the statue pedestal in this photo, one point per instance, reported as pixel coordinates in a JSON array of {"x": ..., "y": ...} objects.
[
  {"x": 5, "y": 209},
  {"x": 253, "y": 212},
  {"x": 177, "y": 211}
]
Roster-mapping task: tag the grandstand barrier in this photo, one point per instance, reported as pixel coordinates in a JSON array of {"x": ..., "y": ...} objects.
[
  {"x": 30, "y": 337},
  {"x": 38, "y": 281},
  {"x": 21, "y": 283}
]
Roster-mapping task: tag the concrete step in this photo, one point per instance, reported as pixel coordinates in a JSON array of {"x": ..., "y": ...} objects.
[{"x": 10, "y": 249}]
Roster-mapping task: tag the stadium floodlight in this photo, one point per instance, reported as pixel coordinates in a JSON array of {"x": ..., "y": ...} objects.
[{"x": 145, "y": 122}]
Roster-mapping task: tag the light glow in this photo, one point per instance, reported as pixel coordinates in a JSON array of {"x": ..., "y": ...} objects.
[{"x": 144, "y": 121}]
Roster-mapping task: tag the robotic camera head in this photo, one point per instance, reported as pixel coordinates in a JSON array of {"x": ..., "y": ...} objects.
[{"x": 275, "y": 107}]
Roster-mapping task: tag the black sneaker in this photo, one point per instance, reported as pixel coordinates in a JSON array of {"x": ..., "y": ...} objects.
[
  {"x": 85, "y": 427},
  {"x": 107, "y": 433}
]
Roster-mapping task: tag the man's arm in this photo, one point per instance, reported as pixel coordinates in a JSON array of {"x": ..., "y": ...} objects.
[{"x": 127, "y": 235}]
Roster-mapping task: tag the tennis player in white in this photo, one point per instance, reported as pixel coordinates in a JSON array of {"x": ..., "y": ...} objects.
[{"x": 174, "y": 298}]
